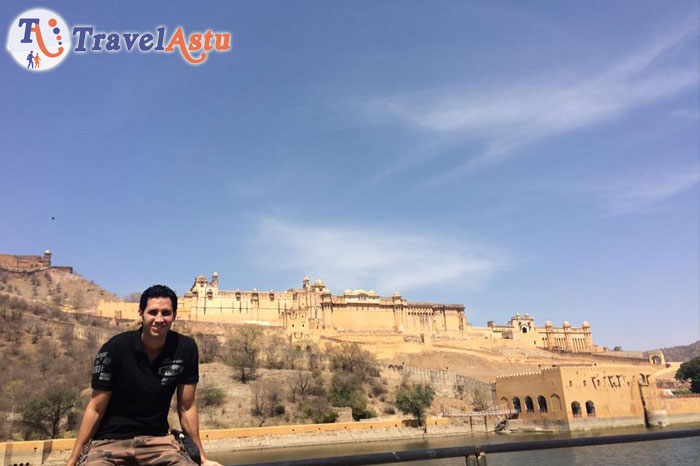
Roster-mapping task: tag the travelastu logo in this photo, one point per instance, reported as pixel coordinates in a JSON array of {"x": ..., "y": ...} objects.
[{"x": 39, "y": 39}]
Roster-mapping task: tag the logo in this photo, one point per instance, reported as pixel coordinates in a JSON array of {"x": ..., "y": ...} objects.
[{"x": 39, "y": 39}]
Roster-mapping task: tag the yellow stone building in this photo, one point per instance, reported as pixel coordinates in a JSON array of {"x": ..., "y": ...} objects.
[
  {"x": 314, "y": 310},
  {"x": 588, "y": 397}
]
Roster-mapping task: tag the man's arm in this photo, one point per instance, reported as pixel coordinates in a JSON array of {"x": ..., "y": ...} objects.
[
  {"x": 189, "y": 419},
  {"x": 91, "y": 419}
]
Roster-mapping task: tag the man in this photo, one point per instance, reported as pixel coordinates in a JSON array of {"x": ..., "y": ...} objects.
[{"x": 133, "y": 380}]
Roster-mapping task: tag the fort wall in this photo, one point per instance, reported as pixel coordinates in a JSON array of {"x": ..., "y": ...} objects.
[
  {"x": 29, "y": 263},
  {"x": 313, "y": 310},
  {"x": 577, "y": 397}
]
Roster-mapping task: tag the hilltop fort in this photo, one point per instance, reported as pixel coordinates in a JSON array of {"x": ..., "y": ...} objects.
[
  {"x": 313, "y": 310},
  {"x": 20, "y": 264}
]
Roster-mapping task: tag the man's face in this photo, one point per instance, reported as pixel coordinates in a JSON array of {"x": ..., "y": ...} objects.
[{"x": 158, "y": 317}]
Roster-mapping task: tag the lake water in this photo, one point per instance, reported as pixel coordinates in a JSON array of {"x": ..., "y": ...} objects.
[{"x": 659, "y": 452}]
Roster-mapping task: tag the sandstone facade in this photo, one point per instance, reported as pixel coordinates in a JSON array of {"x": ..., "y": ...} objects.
[
  {"x": 588, "y": 397},
  {"x": 313, "y": 310}
]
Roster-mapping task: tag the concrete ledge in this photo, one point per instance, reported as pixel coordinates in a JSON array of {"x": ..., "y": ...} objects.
[{"x": 36, "y": 452}]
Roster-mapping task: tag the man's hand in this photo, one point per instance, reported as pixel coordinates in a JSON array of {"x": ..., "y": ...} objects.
[{"x": 211, "y": 463}]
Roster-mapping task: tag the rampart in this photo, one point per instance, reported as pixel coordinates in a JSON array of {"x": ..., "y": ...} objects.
[
  {"x": 436, "y": 378},
  {"x": 312, "y": 310},
  {"x": 29, "y": 263}
]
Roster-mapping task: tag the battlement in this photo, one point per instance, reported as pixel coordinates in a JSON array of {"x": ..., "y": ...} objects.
[
  {"x": 30, "y": 263},
  {"x": 25, "y": 263}
]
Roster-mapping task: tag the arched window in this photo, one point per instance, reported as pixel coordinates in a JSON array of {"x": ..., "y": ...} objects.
[
  {"x": 542, "y": 403},
  {"x": 504, "y": 403},
  {"x": 576, "y": 409},
  {"x": 556, "y": 403},
  {"x": 590, "y": 409},
  {"x": 529, "y": 405},
  {"x": 516, "y": 404}
]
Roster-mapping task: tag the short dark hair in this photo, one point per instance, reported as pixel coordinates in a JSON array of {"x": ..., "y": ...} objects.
[{"x": 157, "y": 291}]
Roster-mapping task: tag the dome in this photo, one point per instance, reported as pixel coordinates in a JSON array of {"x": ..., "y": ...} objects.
[
  {"x": 347, "y": 292},
  {"x": 47, "y": 252},
  {"x": 567, "y": 324},
  {"x": 397, "y": 294},
  {"x": 548, "y": 323},
  {"x": 201, "y": 278},
  {"x": 215, "y": 274},
  {"x": 319, "y": 283},
  {"x": 585, "y": 324}
]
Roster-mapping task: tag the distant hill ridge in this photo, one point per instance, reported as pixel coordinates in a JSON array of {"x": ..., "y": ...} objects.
[
  {"x": 34, "y": 277},
  {"x": 681, "y": 353}
]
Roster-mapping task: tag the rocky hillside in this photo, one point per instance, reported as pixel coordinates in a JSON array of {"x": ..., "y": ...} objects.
[
  {"x": 56, "y": 286},
  {"x": 682, "y": 353}
]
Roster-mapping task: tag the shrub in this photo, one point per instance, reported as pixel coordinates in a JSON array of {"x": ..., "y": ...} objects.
[
  {"x": 210, "y": 395},
  {"x": 415, "y": 400}
]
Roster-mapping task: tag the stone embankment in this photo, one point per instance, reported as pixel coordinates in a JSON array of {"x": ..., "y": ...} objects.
[{"x": 56, "y": 452}]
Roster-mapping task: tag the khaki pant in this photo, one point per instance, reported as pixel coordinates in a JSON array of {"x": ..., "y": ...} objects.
[{"x": 138, "y": 451}]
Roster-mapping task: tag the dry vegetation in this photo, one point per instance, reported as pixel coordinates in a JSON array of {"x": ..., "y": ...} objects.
[
  {"x": 250, "y": 376},
  {"x": 70, "y": 291}
]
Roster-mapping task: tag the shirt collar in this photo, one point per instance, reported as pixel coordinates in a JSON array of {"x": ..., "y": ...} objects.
[{"x": 170, "y": 341}]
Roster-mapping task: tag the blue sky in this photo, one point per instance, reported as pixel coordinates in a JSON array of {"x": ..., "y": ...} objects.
[{"x": 539, "y": 157}]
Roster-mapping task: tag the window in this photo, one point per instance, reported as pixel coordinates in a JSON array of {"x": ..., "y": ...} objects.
[
  {"x": 542, "y": 403},
  {"x": 590, "y": 409},
  {"x": 516, "y": 405},
  {"x": 529, "y": 405},
  {"x": 576, "y": 409}
]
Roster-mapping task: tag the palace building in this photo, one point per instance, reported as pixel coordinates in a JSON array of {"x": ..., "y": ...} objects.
[{"x": 313, "y": 309}]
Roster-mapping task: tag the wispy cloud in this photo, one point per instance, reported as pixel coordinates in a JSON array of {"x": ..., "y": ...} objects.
[
  {"x": 353, "y": 257},
  {"x": 643, "y": 192},
  {"x": 501, "y": 120}
]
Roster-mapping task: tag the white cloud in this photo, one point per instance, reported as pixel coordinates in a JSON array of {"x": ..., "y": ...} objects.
[
  {"x": 504, "y": 119},
  {"x": 642, "y": 192},
  {"x": 363, "y": 257}
]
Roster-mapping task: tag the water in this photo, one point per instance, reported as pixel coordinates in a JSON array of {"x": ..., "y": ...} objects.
[{"x": 680, "y": 452}]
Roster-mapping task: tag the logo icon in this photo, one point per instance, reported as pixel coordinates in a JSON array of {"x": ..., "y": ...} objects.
[{"x": 38, "y": 39}]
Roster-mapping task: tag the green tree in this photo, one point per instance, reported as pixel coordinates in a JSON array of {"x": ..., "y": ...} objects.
[
  {"x": 42, "y": 416},
  {"x": 346, "y": 391},
  {"x": 690, "y": 370},
  {"x": 415, "y": 400}
]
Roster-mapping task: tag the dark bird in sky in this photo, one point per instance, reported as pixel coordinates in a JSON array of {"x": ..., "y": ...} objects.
[{"x": 53, "y": 218}]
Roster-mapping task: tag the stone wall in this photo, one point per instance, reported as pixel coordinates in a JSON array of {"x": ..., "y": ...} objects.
[{"x": 441, "y": 379}]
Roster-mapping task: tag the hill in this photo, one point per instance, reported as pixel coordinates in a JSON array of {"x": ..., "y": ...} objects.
[
  {"x": 682, "y": 353},
  {"x": 59, "y": 286}
]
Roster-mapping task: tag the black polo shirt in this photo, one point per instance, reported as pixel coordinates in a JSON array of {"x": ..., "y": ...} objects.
[{"x": 141, "y": 391}]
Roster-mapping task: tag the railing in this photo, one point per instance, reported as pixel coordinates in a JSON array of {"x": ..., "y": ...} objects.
[{"x": 476, "y": 454}]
